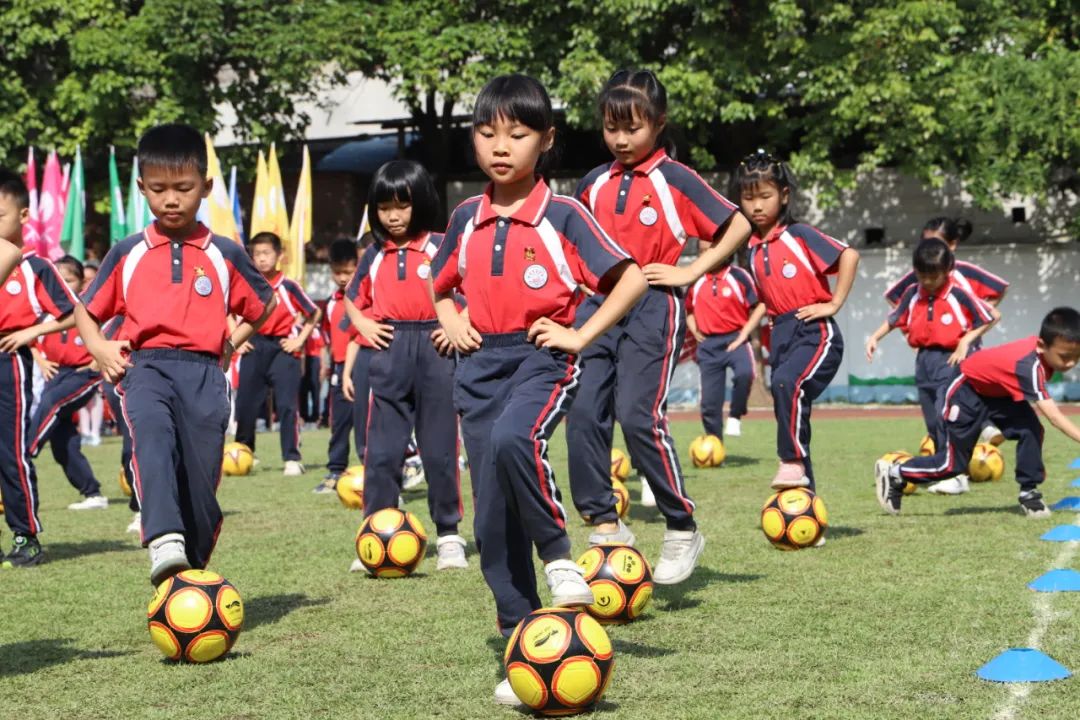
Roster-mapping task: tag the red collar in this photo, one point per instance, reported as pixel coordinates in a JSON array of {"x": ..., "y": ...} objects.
[
  {"x": 199, "y": 237},
  {"x": 28, "y": 252},
  {"x": 646, "y": 166},
  {"x": 776, "y": 232},
  {"x": 531, "y": 211},
  {"x": 418, "y": 244}
]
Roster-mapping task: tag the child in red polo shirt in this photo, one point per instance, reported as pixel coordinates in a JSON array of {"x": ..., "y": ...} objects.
[
  {"x": 176, "y": 284},
  {"x": 998, "y": 385},
  {"x": 32, "y": 288},
  {"x": 722, "y": 309},
  {"x": 791, "y": 263},
  {"x": 944, "y": 322},
  {"x": 69, "y": 384},
  {"x": 650, "y": 205},
  {"x": 272, "y": 356}
]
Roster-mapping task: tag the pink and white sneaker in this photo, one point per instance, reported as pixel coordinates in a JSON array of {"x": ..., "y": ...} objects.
[{"x": 790, "y": 475}]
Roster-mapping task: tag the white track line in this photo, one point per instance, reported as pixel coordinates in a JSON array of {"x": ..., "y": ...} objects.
[{"x": 1044, "y": 615}]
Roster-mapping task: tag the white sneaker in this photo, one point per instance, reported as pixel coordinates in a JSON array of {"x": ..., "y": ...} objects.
[
  {"x": 647, "y": 497},
  {"x": 413, "y": 474},
  {"x": 168, "y": 556},
  {"x": 451, "y": 550},
  {"x": 732, "y": 427},
  {"x": 96, "y": 502},
  {"x": 622, "y": 536},
  {"x": 992, "y": 435},
  {"x": 505, "y": 695},
  {"x": 566, "y": 579},
  {"x": 92, "y": 440},
  {"x": 293, "y": 469},
  {"x": 135, "y": 526},
  {"x": 953, "y": 486},
  {"x": 357, "y": 566},
  {"x": 820, "y": 542},
  {"x": 462, "y": 463},
  {"x": 678, "y": 556}
]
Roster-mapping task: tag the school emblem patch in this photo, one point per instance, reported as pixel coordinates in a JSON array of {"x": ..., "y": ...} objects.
[
  {"x": 726, "y": 292},
  {"x": 424, "y": 270},
  {"x": 14, "y": 287},
  {"x": 946, "y": 319},
  {"x": 536, "y": 276},
  {"x": 788, "y": 271},
  {"x": 203, "y": 286},
  {"x": 648, "y": 215}
]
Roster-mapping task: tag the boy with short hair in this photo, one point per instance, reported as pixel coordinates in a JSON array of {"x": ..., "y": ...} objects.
[
  {"x": 272, "y": 357},
  {"x": 33, "y": 287},
  {"x": 997, "y": 384},
  {"x": 175, "y": 283}
]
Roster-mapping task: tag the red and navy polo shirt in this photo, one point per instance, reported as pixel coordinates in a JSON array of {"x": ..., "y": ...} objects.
[
  {"x": 790, "y": 266},
  {"x": 34, "y": 289},
  {"x": 650, "y": 209},
  {"x": 515, "y": 270},
  {"x": 177, "y": 293},
  {"x": 315, "y": 343},
  {"x": 391, "y": 281},
  {"x": 65, "y": 348},
  {"x": 338, "y": 330},
  {"x": 982, "y": 284},
  {"x": 1014, "y": 370},
  {"x": 938, "y": 320},
  {"x": 721, "y": 302},
  {"x": 292, "y": 302}
]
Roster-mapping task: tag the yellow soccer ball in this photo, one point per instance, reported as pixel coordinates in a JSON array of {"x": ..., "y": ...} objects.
[
  {"x": 195, "y": 616},
  {"x": 391, "y": 543},
  {"x": 794, "y": 519},
  {"x": 125, "y": 486},
  {"x": 620, "y": 464},
  {"x": 707, "y": 451},
  {"x": 987, "y": 464},
  {"x": 901, "y": 456},
  {"x": 350, "y": 487},
  {"x": 621, "y": 581},
  {"x": 237, "y": 459},
  {"x": 622, "y": 497},
  {"x": 559, "y": 661},
  {"x": 926, "y": 447}
]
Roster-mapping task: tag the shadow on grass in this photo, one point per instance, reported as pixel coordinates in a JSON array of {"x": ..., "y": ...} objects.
[
  {"x": 635, "y": 649},
  {"x": 1012, "y": 509},
  {"x": 679, "y": 597},
  {"x": 640, "y": 513},
  {"x": 227, "y": 657},
  {"x": 269, "y": 609},
  {"x": 836, "y": 532},
  {"x": 738, "y": 461},
  {"x": 22, "y": 658},
  {"x": 56, "y": 552}
]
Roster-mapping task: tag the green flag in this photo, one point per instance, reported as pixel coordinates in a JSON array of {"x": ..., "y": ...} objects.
[
  {"x": 117, "y": 219},
  {"x": 71, "y": 237},
  {"x": 138, "y": 212}
]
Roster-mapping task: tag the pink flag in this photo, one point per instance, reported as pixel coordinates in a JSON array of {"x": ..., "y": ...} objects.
[
  {"x": 51, "y": 209},
  {"x": 31, "y": 231}
]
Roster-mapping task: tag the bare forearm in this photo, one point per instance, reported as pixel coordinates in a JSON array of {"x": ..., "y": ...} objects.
[
  {"x": 88, "y": 328},
  {"x": 629, "y": 288},
  {"x": 845, "y": 276},
  {"x": 1052, "y": 412},
  {"x": 731, "y": 239},
  {"x": 753, "y": 321}
]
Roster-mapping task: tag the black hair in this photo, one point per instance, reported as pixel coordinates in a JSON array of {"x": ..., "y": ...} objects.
[
  {"x": 72, "y": 264},
  {"x": 174, "y": 147},
  {"x": 932, "y": 256},
  {"x": 519, "y": 98},
  {"x": 627, "y": 91},
  {"x": 954, "y": 229},
  {"x": 265, "y": 238},
  {"x": 1063, "y": 323},
  {"x": 404, "y": 181},
  {"x": 342, "y": 250},
  {"x": 761, "y": 167},
  {"x": 13, "y": 186}
]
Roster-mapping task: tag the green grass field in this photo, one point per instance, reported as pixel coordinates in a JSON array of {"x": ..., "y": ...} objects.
[{"x": 890, "y": 620}]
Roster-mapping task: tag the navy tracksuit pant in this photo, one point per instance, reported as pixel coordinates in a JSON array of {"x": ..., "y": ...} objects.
[
  {"x": 346, "y": 416},
  {"x": 714, "y": 360},
  {"x": 18, "y": 480},
  {"x": 412, "y": 386},
  {"x": 626, "y": 374},
  {"x": 933, "y": 375},
  {"x": 510, "y": 396},
  {"x": 69, "y": 390},
  {"x": 177, "y": 406},
  {"x": 964, "y": 414},
  {"x": 268, "y": 365},
  {"x": 113, "y": 398},
  {"x": 805, "y": 358}
]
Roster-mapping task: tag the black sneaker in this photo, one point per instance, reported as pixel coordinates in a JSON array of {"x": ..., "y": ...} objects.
[
  {"x": 1031, "y": 502},
  {"x": 26, "y": 552},
  {"x": 890, "y": 490}
]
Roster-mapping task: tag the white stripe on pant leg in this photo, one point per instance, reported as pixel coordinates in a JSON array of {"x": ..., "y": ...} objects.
[
  {"x": 799, "y": 391},
  {"x": 55, "y": 415},
  {"x": 658, "y": 430},
  {"x": 21, "y": 446},
  {"x": 549, "y": 473}
]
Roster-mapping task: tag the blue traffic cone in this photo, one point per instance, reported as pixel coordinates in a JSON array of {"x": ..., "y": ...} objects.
[
  {"x": 1067, "y": 503},
  {"x": 1023, "y": 665},
  {"x": 1057, "y": 581},
  {"x": 1062, "y": 533}
]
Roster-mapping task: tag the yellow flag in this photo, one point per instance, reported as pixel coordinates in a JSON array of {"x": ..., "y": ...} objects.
[
  {"x": 279, "y": 214},
  {"x": 219, "y": 209},
  {"x": 259, "y": 208},
  {"x": 300, "y": 228}
]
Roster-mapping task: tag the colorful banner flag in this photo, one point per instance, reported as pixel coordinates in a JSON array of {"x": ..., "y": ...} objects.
[
  {"x": 300, "y": 229},
  {"x": 117, "y": 216},
  {"x": 52, "y": 206},
  {"x": 365, "y": 226},
  {"x": 219, "y": 210},
  {"x": 31, "y": 230},
  {"x": 259, "y": 204},
  {"x": 234, "y": 201},
  {"x": 71, "y": 237},
  {"x": 138, "y": 214}
]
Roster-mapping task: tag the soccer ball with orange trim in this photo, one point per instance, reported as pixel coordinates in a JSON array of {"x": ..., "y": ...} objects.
[
  {"x": 620, "y": 464},
  {"x": 621, "y": 581},
  {"x": 391, "y": 543},
  {"x": 622, "y": 497},
  {"x": 793, "y": 519},
  {"x": 987, "y": 464},
  {"x": 559, "y": 661},
  {"x": 237, "y": 459},
  {"x": 901, "y": 456},
  {"x": 195, "y": 616},
  {"x": 350, "y": 487},
  {"x": 125, "y": 486},
  {"x": 707, "y": 451},
  {"x": 926, "y": 447}
]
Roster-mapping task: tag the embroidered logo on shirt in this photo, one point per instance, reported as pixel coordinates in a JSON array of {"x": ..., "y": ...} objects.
[
  {"x": 648, "y": 216},
  {"x": 14, "y": 287},
  {"x": 536, "y": 276},
  {"x": 946, "y": 319},
  {"x": 789, "y": 271},
  {"x": 203, "y": 286},
  {"x": 424, "y": 270},
  {"x": 530, "y": 254}
]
